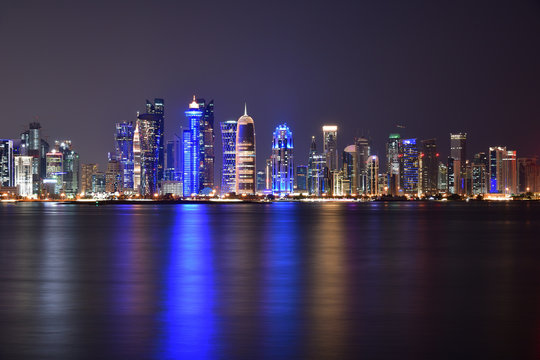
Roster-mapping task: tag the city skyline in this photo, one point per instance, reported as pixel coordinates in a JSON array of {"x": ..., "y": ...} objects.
[{"x": 412, "y": 66}]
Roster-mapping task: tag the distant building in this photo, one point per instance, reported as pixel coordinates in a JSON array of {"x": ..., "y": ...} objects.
[
  {"x": 261, "y": 180},
  {"x": 71, "y": 169},
  {"x": 87, "y": 171},
  {"x": 114, "y": 177},
  {"x": 330, "y": 146},
  {"x": 191, "y": 139},
  {"x": 528, "y": 172},
  {"x": 350, "y": 168},
  {"x": 393, "y": 163},
  {"x": 23, "y": 175},
  {"x": 373, "y": 175},
  {"x": 480, "y": 174},
  {"x": 123, "y": 139},
  {"x": 245, "y": 155},
  {"x": 150, "y": 126},
  {"x": 409, "y": 166},
  {"x": 282, "y": 161},
  {"x": 496, "y": 176},
  {"x": 510, "y": 172},
  {"x": 206, "y": 144},
  {"x": 429, "y": 167},
  {"x": 55, "y": 171},
  {"x": 363, "y": 151},
  {"x": 170, "y": 171},
  {"x": 6, "y": 163},
  {"x": 171, "y": 187},
  {"x": 458, "y": 152},
  {"x": 268, "y": 171},
  {"x": 442, "y": 178},
  {"x": 99, "y": 183},
  {"x": 228, "y": 142},
  {"x": 301, "y": 178}
]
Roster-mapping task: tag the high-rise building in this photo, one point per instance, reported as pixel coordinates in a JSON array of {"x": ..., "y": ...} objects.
[
  {"x": 319, "y": 175},
  {"x": 23, "y": 175},
  {"x": 373, "y": 175},
  {"x": 55, "y": 170},
  {"x": 429, "y": 168},
  {"x": 150, "y": 133},
  {"x": 480, "y": 174},
  {"x": 268, "y": 174},
  {"x": 71, "y": 171},
  {"x": 87, "y": 171},
  {"x": 191, "y": 139},
  {"x": 114, "y": 177},
  {"x": 496, "y": 176},
  {"x": 282, "y": 161},
  {"x": 6, "y": 163},
  {"x": 330, "y": 146},
  {"x": 363, "y": 151},
  {"x": 301, "y": 178},
  {"x": 450, "y": 175},
  {"x": 458, "y": 152},
  {"x": 350, "y": 169},
  {"x": 392, "y": 163},
  {"x": 137, "y": 159},
  {"x": 245, "y": 155},
  {"x": 206, "y": 144},
  {"x": 99, "y": 183},
  {"x": 510, "y": 172},
  {"x": 170, "y": 171},
  {"x": 409, "y": 166},
  {"x": 123, "y": 139},
  {"x": 312, "y": 153},
  {"x": 442, "y": 178},
  {"x": 261, "y": 180},
  {"x": 528, "y": 174},
  {"x": 228, "y": 143}
]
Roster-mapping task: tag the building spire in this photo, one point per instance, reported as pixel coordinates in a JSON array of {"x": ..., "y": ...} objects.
[{"x": 245, "y": 109}]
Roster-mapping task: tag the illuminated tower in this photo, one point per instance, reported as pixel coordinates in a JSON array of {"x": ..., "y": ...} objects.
[
  {"x": 228, "y": 142},
  {"x": 71, "y": 170},
  {"x": 245, "y": 155},
  {"x": 330, "y": 146},
  {"x": 6, "y": 163},
  {"x": 392, "y": 163},
  {"x": 429, "y": 168},
  {"x": 496, "y": 178},
  {"x": 191, "y": 180},
  {"x": 282, "y": 161},
  {"x": 458, "y": 152},
  {"x": 136, "y": 159},
  {"x": 123, "y": 139},
  {"x": 206, "y": 144},
  {"x": 510, "y": 172},
  {"x": 23, "y": 174},
  {"x": 372, "y": 165},
  {"x": 409, "y": 166},
  {"x": 363, "y": 151},
  {"x": 54, "y": 170},
  {"x": 350, "y": 168}
]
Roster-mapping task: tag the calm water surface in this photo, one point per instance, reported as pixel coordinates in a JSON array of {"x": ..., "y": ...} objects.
[{"x": 270, "y": 281}]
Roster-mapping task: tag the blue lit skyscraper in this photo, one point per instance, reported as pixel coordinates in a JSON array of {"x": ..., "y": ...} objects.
[
  {"x": 282, "y": 161},
  {"x": 228, "y": 142},
  {"x": 123, "y": 139},
  {"x": 409, "y": 166},
  {"x": 191, "y": 180}
]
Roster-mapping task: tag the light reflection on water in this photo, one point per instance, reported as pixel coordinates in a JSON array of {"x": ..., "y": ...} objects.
[{"x": 281, "y": 280}]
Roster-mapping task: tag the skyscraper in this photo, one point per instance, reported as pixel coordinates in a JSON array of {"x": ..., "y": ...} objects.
[
  {"x": 55, "y": 170},
  {"x": 392, "y": 163},
  {"x": 282, "y": 161},
  {"x": 363, "y": 151},
  {"x": 114, "y": 177},
  {"x": 6, "y": 163},
  {"x": 87, "y": 171},
  {"x": 301, "y": 178},
  {"x": 350, "y": 169},
  {"x": 458, "y": 152},
  {"x": 527, "y": 174},
  {"x": 373, "y": 175},
  {"x": 206, "y": 144},
  {"x": 496, "y": 177},
  {"x": 330, "y": 147},
  {"x": 23, "y": 174},
  {"x": 191, "y": 139},
  {"x": 429, "y": 159},
  {"x": 480, "y": 174},
  {"x": 123, "y": 139},
  {"x": 150, "y": 133},
  {"x": 228, "y": 142},
  {"x": 409, "y": 166},
  {"x": 510, "y": 174},
  {"x": 245, "y": 155},
  {"x": 70, "y": 164}
]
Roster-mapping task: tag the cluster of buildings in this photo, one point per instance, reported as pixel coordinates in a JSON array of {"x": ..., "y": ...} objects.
[{"x": 144, "y": 165}]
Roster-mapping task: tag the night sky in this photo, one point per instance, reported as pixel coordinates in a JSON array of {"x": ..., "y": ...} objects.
[{"x": 433, "y": 66}]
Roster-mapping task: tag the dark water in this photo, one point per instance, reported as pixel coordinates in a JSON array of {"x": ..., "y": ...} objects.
[{"x": 275, "y": 281}]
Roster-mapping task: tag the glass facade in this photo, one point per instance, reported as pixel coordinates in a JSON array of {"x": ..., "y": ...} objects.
[
  {"x": 409, "y": 166},
  {"x": 282, "y": 161},
  {"x": 245, "y": 156},
  {"x": 228, "y": 142},
  {"x": 123, "y": 139},
  {"x": 191, "y": 139}
]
